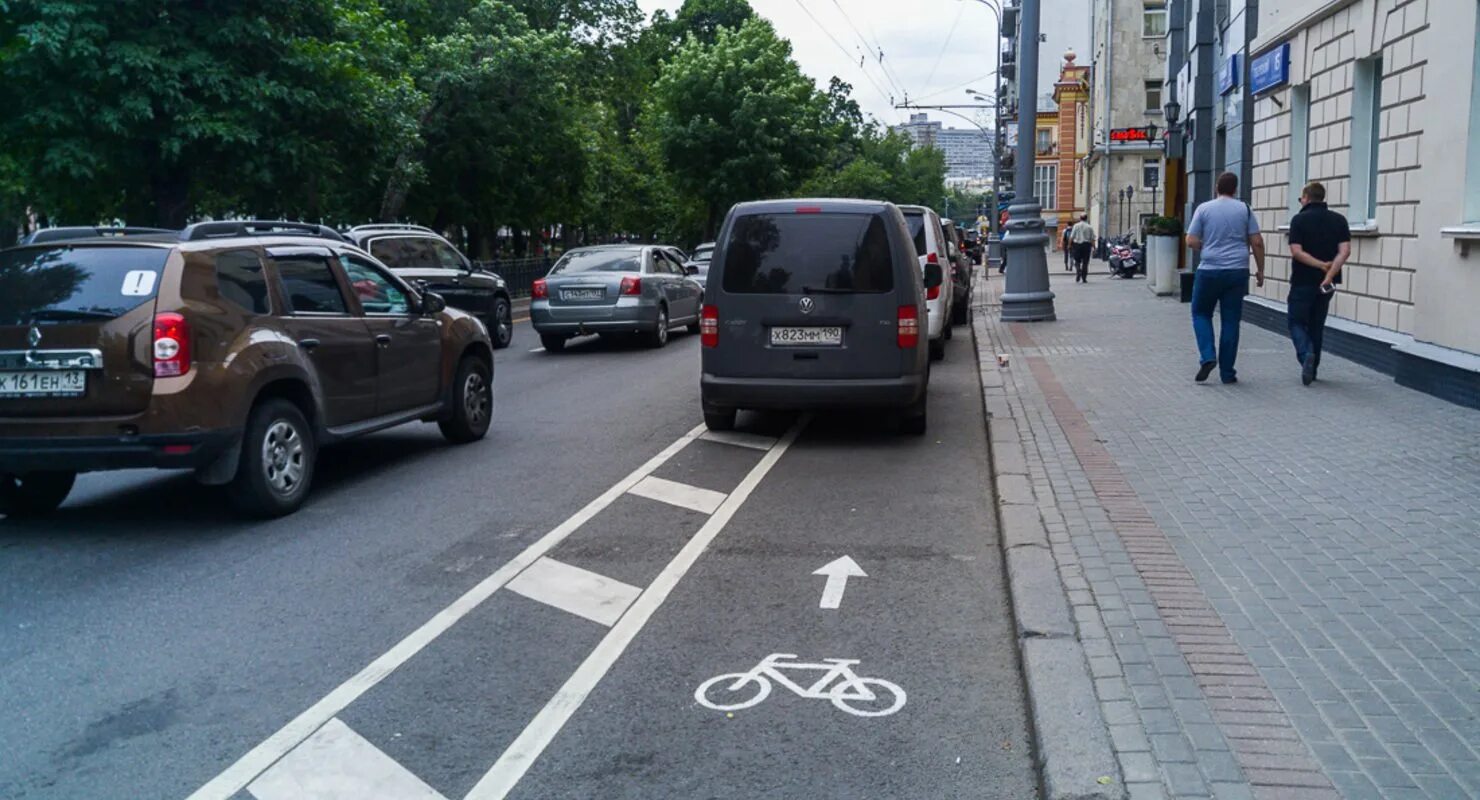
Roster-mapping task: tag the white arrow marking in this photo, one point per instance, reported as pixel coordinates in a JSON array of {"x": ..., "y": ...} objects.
[{"x": 838, "y": 572}]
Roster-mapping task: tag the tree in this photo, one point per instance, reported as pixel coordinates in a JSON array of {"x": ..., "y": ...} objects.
[
  {"x": 703, "y": 19},
  {"x": 884, "y": 166},
  {"x": 736, "y": 120}
]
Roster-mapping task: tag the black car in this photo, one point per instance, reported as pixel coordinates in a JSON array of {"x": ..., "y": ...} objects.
[{"x": 419, "y": 254}]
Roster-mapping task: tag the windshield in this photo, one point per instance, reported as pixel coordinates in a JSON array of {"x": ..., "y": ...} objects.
[
  {"x": 802, "y": 253},
  {"x": 703, "y": 256},
  {"x": 76, "y": 284},
  {"x": 624, "y": 260}
]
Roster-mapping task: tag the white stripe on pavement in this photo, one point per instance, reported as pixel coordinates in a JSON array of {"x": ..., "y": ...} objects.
[
  {"x": 521, "y": 755},
  {"x": 338, "y": 764},
  {"x": 754, "y": 441},
  {"x": 578, "y": 591},
  {"x": 705, "y": 501},
  {"x": 259, "y": 758}
]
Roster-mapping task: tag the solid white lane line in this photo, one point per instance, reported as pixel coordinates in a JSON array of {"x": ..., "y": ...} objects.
[
  {"x": 705, "y": 501},
  {"x": 259, "y": 758},
  {"x": 754, "y": 441},
  {"x": 515, "y": 761},
  {"x": 338, "y": 764},
  {"x": 578, "y": 591}
]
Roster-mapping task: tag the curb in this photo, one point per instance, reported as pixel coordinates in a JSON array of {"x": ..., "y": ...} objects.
[{"x": 1070, "y": 736}]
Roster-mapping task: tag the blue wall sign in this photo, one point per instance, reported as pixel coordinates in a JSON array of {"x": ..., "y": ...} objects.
[
  {"x": 1228, "y": 75},
  {"x": 1270, "y": 69}
]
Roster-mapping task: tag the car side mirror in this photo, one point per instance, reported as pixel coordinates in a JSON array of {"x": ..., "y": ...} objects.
[
  {"x": 691, "y": 270},
  {"x": 433, "y": 303},
  {"x": 933, "y": 276}
]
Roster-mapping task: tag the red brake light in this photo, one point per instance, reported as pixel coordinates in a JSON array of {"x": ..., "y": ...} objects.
[
  {"x": 539, "y": 291},
  {"x": 171, "y": 345},
  {"x": 909, "y": 327},
  {"x": 709, "y": 326},
  {"x": 933, "y": 293},
  {"x": 809, "y": 209},
  {"x": 631, "y": 286}
]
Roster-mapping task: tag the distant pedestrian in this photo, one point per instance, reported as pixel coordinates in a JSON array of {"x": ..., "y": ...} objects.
[
  {"x": 1320, "y": 244},
  {"x": 1224, "y": 231},
  {"x": 1067, "y": 245},
  {"x": 1082, "y": 239}
]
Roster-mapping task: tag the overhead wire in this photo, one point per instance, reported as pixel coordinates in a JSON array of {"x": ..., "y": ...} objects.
[
  {"x": 846, "y": 53},
  {"x": 942, "y": 53}
]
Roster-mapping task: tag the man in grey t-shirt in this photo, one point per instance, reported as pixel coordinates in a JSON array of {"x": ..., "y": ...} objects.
[{"x": 1224, "y": 231}]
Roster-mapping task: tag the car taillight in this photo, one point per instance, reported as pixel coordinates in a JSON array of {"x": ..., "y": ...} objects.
[
  {"x": 909, "y": 327},
  {"x": 539, "y": 291},
  {"x": 171, "y": 345},
  {"x": 933, "y": 293},
  {"x": 631, "y": 286},
  {"x": 709, "y": 326}
]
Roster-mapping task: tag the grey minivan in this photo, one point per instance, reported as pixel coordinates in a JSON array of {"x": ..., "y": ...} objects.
[{"x": 815, "y": 304}]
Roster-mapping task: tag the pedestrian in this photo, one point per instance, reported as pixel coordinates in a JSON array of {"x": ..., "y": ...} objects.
[
  {"x": 1082, "y": 239},
  {"x": 1320, "y": 243},
  {"x": 1224, "y": 231},
  {"x": 1067, "y": 245}
]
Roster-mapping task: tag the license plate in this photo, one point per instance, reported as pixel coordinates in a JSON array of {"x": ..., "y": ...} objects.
[
  {"x": 43, "y": 383},
  {"x": 807, "y": 337},
  {"x": 582, "y": 294}
]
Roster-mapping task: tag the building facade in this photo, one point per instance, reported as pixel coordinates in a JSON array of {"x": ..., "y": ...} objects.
[
  {"x": 968, "y": 152},
  {"x": 1069, "y": 144}
]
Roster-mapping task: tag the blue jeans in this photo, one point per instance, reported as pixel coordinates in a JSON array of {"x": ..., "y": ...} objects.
[
  {"x": 1306, "y": 310},
  {"x": 1224, "y": 289}
]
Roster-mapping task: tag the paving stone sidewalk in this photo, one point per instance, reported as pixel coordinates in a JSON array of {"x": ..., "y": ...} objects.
[{"x": 1277, "y": 588}]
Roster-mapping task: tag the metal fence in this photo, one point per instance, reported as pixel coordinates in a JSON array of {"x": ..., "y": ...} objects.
[{"x": 519, "y": 272}]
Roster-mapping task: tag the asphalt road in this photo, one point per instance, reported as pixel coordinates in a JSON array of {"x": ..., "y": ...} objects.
[{"x": 507, "y": 619}]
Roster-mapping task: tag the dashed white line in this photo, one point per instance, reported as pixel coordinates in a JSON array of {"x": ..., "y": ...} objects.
[
  {"x": 338, "y": 764},
  {"x": 575, "y": 590},
  {"x": 753, "y": 441},
  {"x": 705, "y": 501}
]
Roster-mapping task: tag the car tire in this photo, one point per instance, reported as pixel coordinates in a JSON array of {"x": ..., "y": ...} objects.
[
  {"x": 693, "y": 327},
  {"x": 35, "y": 493},
  {"x": 719, "y": 419},
  {"x": 938, "y": 349},
  {"x": 277, "y": 461},
  {"x": 552, "y": 342},
  {"x": 659, "y": 334},
  {"x": 912, "y": 421},
  {"x": 472, "y": 403},
  {"x": 501, "y": 323}
]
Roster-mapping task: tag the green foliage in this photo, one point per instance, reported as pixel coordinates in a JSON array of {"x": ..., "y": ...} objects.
[
  {"x": 883, "y": 166},
  {"x": 1164, "y": 226}
]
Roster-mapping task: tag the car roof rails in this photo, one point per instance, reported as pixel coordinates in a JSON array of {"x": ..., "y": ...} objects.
[
  {"x": 88, "y": 232},
  {"x": 391, "y": 226},
  {"x": 256, "y": 227}
]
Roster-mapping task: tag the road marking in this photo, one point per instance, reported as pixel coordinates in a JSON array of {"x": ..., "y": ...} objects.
[
  {"x": 259, "y": 758},
  {"x": 578, "y": 591},
  {"x": 519, "y": 319},
  {"x": 538, "y": 350},
  {"x": 515, "y": 761},
  {"x": 838, "y": 683},
  {"x": 838, "y": 572},
  {"x": 338, "y": 764},
  {"x": 754, "y": 441},
  {"x": 705, "y": 501}
]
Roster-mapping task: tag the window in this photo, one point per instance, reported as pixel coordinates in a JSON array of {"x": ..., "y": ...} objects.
[
  {"x": 1366, "y": 115},
  {"x": 1044, "y": 142},
  {"x": 1154, "y": 20},
  {"x": 619, "y": 259},
  {"x": 240, "y": 280},
  {"x": 1150, "y": 173},
  {"x": 68, "y": 285},
  {"x": 308, "y": 281},
  {"x": 785, "y": 253},
  {"x": 446, "y": 256},
  {"x": 375, "y": 291},
  {"x": 1153, "y": 97},
  {"x": 1472, "y": 186},
  {"x": 1045, "y": 185},
  {"x": 405, "y": 252},
  {"x": 1299, "y": 143}
]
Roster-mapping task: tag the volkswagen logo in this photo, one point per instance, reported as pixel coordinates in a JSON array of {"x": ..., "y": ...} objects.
[
  {"x": 806, "y": 305},
  {"x": 34, "y": 337}
]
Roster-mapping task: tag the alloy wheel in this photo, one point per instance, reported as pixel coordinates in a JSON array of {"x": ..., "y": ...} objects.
[
  {"x": 282, "y": 457},
  {"x": 476, "y": 399}
]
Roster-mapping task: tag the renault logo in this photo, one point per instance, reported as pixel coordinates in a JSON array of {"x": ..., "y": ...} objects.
[
  {"x": 806, "y": 305},
  {"x": 34, "y": 337}
]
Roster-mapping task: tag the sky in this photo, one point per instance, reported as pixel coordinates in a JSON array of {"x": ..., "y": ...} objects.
[{"x": 932, "y": 53}]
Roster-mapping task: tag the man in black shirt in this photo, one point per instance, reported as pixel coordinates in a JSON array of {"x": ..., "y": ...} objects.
[{"x": 1320, "y": 244}]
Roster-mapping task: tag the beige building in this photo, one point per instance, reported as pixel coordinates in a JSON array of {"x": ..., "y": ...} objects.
[{"x": 1382, "y": 105}]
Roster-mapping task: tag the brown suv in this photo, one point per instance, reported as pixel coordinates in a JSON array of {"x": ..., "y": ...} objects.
[{"x": 234, "y": 349}]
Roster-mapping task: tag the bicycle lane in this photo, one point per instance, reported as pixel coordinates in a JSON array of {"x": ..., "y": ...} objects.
[{"x": 931, "y": 617}]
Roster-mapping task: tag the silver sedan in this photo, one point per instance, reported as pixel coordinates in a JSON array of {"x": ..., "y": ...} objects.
[{"x": 614, "y": 289}]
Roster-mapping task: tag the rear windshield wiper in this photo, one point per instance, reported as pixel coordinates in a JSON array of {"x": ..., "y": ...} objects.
[
  {"x": 826, "y": 290},
  {"x": 64, "y": 314}
]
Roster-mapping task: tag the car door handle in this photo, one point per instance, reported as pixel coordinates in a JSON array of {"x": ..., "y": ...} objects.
[
  {"x": 308, "y": 344},
  {"x": 383, "y": 339}
]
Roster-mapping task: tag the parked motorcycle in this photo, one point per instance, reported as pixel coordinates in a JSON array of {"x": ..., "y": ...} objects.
[{"x": 1127, "y": 257}]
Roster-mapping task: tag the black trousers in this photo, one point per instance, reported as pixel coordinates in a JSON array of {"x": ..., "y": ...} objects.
[
  {"x": 1082, "y": 251},
  {"x": 1305, "y": 312}
]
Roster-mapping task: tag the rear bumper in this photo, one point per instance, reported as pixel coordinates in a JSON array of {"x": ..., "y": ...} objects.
[
  {"x": 96, "y": 453},
  {"x": 805, "y": 393},
  {"x": 619, "y": 318}
]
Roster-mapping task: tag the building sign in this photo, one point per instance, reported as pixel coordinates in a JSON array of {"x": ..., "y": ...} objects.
[
  {"x": 1270, "y": 69},
  {"x": 1228, "y": 74},
  {"x": 1147, "y": 134}
]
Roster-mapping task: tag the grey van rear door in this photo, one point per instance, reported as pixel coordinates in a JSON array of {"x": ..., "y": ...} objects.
[{"x": 808, "y": 295}]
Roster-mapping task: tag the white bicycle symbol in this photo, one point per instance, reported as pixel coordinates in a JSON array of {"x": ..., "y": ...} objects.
[{"x": 865, "y": 697}]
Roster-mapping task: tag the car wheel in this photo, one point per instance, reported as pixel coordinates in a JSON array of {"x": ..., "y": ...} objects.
[
  {"x": 938, "y": 349},
  {"x": 277, "y": 461},
  {"x": 472, "y": 403},
  {"x": 501, "y": 323},
  {"x": 659, "y": 335},
  {"x": 719, "y": 419},
  {"x": 552, "y": 342},
  {"x": 912, "y": 419},
  {"x": 34, "y": 493}
]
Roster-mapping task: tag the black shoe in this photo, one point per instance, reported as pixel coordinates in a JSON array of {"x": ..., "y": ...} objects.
[
  {"x": 1308, "y": 370},
  {"x": 1230, "y": 380},
  {"x": 1205, "y": 370}
]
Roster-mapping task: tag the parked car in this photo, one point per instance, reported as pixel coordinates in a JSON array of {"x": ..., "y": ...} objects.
[
  {"x": 815, "y": 304},
  {"x": 698, "y": 264},
  {"x": 960, "y": 273},
  {"x": 235, "y": 349},
  {"x": 419, "y": 254},
  {"x": 930, "y": 243},
  {"x": 614, "y": 290}
]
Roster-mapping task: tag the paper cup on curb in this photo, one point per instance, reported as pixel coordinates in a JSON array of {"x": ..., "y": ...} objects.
[{"x": 1001, "y": 359}]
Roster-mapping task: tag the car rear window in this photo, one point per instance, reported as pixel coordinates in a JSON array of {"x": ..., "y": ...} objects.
[
  {"x": 76, "y": 284},
  {"x": 598, "y": 261},
  {"x": 796, "y": 253}
]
